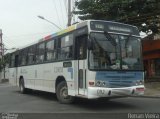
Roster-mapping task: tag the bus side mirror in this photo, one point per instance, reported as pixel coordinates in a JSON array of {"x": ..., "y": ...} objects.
[{"x": 90, "y": 44}]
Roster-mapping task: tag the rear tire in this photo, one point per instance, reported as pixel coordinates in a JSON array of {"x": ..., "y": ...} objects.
[{"x": 62, "y": 93}]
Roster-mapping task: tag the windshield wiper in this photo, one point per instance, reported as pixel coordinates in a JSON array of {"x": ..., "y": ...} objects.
[
  {"x": 110, "y": 38},
  {"x": 128, "y": 37}
]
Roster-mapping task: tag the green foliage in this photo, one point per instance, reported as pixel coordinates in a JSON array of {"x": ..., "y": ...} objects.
[
  {"x": 135, "y": 12},
  {"x": 4, "y": 61}
]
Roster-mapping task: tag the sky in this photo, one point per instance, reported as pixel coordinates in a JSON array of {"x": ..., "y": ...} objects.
[{"x": 20, "y": 24}]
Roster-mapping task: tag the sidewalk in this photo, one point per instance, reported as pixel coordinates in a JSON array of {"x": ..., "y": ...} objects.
[{"x": 152, "y": 89}]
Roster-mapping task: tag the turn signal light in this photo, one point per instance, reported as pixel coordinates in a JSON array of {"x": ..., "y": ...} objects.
[
  {"x": 91, "y": 83},
  {"x": 140, "y": 89}
]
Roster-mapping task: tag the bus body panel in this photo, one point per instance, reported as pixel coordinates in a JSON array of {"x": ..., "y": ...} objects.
[
  {"x": 38, "y": 78},
  {"x": 98, "y": 92},
  {"x": 77, "y": 73},
  {"x": 12, "y": 76},
  {"x": 117, "y": 83}
]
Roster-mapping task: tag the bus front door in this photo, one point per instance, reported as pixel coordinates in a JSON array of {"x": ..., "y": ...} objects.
[
  {"x": 16, "y": 70},
  {"x": 82, "y": 63}
]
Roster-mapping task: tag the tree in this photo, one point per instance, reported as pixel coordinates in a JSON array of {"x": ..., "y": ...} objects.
[
  {"x": 3, "y": 62},
  {"x": 135, "y": 12}
]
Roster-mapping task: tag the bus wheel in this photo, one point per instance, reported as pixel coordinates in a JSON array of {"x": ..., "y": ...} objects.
[
  {"x": 22, "y": 86},
  {"x": 62, "y": 93}
]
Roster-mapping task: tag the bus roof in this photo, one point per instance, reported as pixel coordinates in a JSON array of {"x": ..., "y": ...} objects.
[{"x": 70, "y": 28}]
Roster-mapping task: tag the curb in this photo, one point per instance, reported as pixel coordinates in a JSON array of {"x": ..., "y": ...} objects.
[
  {"x": 145, "y": 96},
  {"x": 4, "y": 81}
]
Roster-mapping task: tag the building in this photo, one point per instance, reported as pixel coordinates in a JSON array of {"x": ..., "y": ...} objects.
[{"x": 151, "y": 57}]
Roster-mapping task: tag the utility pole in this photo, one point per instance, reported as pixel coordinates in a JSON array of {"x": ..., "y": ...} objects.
[
  {"x": 1, "y": 46},
  {"x": 69, "y": 13},
  {"x": 1, "y": 54}
]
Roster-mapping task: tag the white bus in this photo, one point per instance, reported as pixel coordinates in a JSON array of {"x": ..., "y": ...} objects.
[{"x": 92, "y": 59}]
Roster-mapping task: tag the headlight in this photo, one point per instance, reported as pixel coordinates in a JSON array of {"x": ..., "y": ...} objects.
[
  {"x": 100, "y": 83},
  {"x": 103, "y": 83},
  {"x": 139, "y": 82}
]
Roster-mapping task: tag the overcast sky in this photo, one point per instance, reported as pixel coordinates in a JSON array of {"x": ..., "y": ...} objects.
[{"x": 20, "y": 24}]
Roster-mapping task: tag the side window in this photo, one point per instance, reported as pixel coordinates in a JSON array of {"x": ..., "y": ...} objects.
[
  {"x": 23, "y": 58},
  {"x": 66, "y": 47},
  {"x": 16, "y": 60},
  {"x": 50, "y": 50},
  {"x": 40, "y": 53},
  {"x": 12, "y": 60},
  {"x": 31, "y": 55}
]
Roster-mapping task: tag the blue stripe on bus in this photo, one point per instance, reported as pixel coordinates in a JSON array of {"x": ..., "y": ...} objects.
[
  {"x": 70, "y": 69},
  {"x": 119, "y": 78}
]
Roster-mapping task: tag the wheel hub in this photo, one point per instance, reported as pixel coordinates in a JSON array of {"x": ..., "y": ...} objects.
[{"x": 64, "y": 92}]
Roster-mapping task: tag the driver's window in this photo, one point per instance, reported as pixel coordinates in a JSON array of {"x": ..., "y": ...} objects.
[
  {"x": 82, "y": 47},
  {"x": 105, "y": 59}
]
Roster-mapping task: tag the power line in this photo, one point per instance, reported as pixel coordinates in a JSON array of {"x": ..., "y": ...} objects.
[
  {"x": 9, "y": 44},
  {"x": 5, "y": 46},
  {"x": 6, "y": 37},
  {"x": 34, "y": 34},
  {"x": 62, "y": 12},
  {"x": 57, "y": 12},
  {"x": 65, "y": 5},
  {"x": 12, "y": 44}
]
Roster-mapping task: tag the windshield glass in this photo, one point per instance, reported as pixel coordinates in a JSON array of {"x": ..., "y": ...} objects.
[{"x": 113, "y": 52}]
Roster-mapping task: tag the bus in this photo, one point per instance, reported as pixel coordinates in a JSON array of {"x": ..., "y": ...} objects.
[{"x": 92, "y": 59}]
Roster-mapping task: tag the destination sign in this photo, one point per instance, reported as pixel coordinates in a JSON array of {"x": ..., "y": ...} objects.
[
  {"x": 117, "y": 28},
  {"x": 114, "y": 27}
]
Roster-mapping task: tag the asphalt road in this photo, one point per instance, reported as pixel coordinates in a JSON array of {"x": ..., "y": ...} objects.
[{"x": 12, "y": 101}]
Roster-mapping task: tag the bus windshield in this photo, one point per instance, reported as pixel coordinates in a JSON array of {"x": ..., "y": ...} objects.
[{"x": 115, "y": 52}]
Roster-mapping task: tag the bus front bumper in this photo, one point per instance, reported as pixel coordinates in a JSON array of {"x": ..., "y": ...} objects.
[{"x": 98, "y": 92}]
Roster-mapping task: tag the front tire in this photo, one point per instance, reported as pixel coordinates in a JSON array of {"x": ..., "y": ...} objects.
[{"x": 62, "y": 93}]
